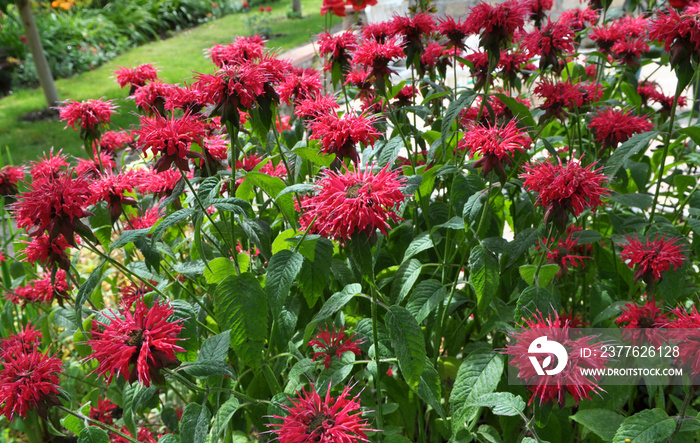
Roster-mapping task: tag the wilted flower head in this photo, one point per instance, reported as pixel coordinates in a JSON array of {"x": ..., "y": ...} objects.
[
  {"x": 341, "y": 135},
  {"x": 136, "y": 345},
  {"x": 329, "y": 343},
  {"x": 328, "y": 419},
  {"x": 136, "y": 77},
  {"x": 563, "y": 189},
  {"x": 652, "y": 258},
  {"x": 357, "y": 201},
  {"x": 171, "y": 138}
]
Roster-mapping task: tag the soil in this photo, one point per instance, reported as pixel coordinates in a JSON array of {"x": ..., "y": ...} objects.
[{"x": 46, "y": 114}]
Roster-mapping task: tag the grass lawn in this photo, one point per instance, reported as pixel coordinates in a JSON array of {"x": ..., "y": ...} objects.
[{"x": 176, "y": 58}]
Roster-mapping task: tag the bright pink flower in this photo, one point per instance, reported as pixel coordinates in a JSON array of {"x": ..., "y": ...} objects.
[
  {"x": 605, "y": 36},
  {"x": 9, "y": 177},
  {"x": 554, "y": 387},
  {"x": 136, "y": 77},
  {"x": 378, "y": 32},
  {"x": 341, "y": 135},
  {"x": 353, "y": 202},
  {"x": 612, "y": 127},
  {"x": 152, "y": 96},
  {"x": 171, "y": 138},
  {"x": 90, "y": 114},
  {"x": 339, "y": 48},
  {"x": 377, "y": 56},
  {"x": 329, "y": 343},
  {"x": 495, "y": 144},
  {"x": 28, "y": 382},
  {"x": 160, "y": 183},
  {"x": 136, "y": 345},
  {"x": 111, "y": 141},
  {"x": 188, "y": 99},
  {"x": 413, "y": 29},
  {"x": 315, "y": 108},
  {"x": 42, "y": 290},
  {"x": 562, "y": 189},
  {"x": 652, "y": 258},
  {"x": 479, "y": 68},
  {"x": 326, "y": 420}
]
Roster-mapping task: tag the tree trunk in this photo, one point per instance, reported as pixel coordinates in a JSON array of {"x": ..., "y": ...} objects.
[
  {"x": 296, "y": 7},
  {"x": 42, "y": 66}
]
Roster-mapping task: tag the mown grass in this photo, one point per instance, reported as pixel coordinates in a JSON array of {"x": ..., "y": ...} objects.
[{"x": 176, "y": 58}]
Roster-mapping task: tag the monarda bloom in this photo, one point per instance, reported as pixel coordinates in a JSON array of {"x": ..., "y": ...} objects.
[
  {"x": 188, "y": 99},
  {"x": 159, "y": 183},
  {"x": 242, "y": 49},
  {"x": 629, "y": 50},
  {"x": 341, "y": 135},
  {"x": 337, "y": 7},
  {"x": 149, "y": 218},
  {"x": 54, "y": 205},
  {"x": 104, "y": 412},
  {"x": 9, "y": 177},
  {"x": 51, "y": 166},
  {"x": 171, "y": 138},
  {"x": 377, "y": 56},
  {"x": 495, "y": 144},
  {"x": 26, "y": 341},
  {"x": 497, "y": 23},
  {"x": 354, "y": 202},
  {"x": 564, "y": 96},
  {"x": 136, "y": 345},
  {"x": 152, "y": 97},
  {"x": 552, "y": 43},
  {"x": 49, "y": 253},
  {"x": 90, "y": 169},
  {"x": 325, "y": 420},
  {"x": 652, "y": 258},
  {"x": 643, "y": 320},
  {"x": 538, "y": 10},
  {"x": 565, "y": 253},
  {"x": 564, "y": 189},
  {"x": 651, "y": 92},
  {"x": 90, "y": 114},
  {"x": 685, "y": 330},
  {"x": 299, "y": 85},
  {"x": 453, "y": 31},
  {"x": 29, "y": 381},
  {"x": 312, "y": 109},
  {"x": 360, "y": 5},
  {"x": 612, "y": 127},
  {"x": 680, "y": 33},
  {"x": 135, "y": 77},
  {"x": 112, "y": 141},
  {"x": 115, "y": 190},
  {"x": 338, "y": 48},
  {"x": 554, "y": 388},
  {"x": 42, "y": 290},
  {"x": 413, "y": 30},
  {"x": 329, "y": 343},
  {"x": 579, "y": 19}
]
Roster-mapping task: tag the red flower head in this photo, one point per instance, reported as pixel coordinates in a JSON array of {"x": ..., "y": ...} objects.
[
  {"x": 647, "y": 317},
  {"x": 49, "y": 166},
  {"x": 151, "y": 97},
  {"x": 652, "y": 257},
  {"x": 90, "y": 169},
  {"x": 376, "y": 56},
  {"x": 132, "y": 292},
  {"x": 299, "y": 85},
  {"x": 327, "y": 344},
  {"x": 27, "y": 382},
  {"x": 688, "y": 325},
  {"x": 42, "y": 290},
  {"x": 145, "y": 221},
  {"x": 136, "y": 77},
  {"x": 552, "y": 43},
  {"x": 570, "y": 379},
  {"x": 90, "y": 114},
  {"x": 337, "y": 7},
  {"x": 605, "y": 36},
  {"x": 47, "y": 252},
  {"x": 680, "y": 34},
  {"x": 379, "y": 31},
  {"x": 111, "y": 141},
  {"x": 356, "y": 201},
  {"x": 236, "y": 53},
  {"x": 160, "y": 183},
  {"x": 567, "y": 252},
  {"x": 413, "y": 30},
  {"x": 359, "y": 5},
  {"x": 650, "y": 91},
  {"x": 537, "y": 10},
  {"x": 612, "y": 127},
  {"x": 480, "y": 69},
  {"x": 25, "y": 342},
  {"x": 326, "y": 420},
  {"x": 55, "y": 205},
  {"x": 114, "y": 190},
  {"x": 629, "y": 50},
  {"x": 188, "y": 99},
  {"x": 497, "y": 23},
  {"x": 579, "y": 19},
  {"x": 313, "y": 109},
  {"x": 563, "y": 189},
  {"x": 339, "y": 48},
  {"x": 171, "y": 138},
  {"x": 563, "y": 96},
  {"x": 340, "y": 135},
  {"x": 137, "y": 345},
  {"x": 104, "y": 412},
  {"x": 454, "y": 31},
  {"x": 9, "y": 177},
  {"x": 495, "y": 144}
]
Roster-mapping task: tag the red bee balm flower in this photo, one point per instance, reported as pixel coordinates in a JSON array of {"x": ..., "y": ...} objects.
[
  {"x": 337, "y": 7},
  {"x": 376, "y": 56},
  {"x": 90, "y": 114},
  {"x": 652, "y": 258},
  {"x": 326, "y": 420},
  {"x": 495, "y": 144},
  {"x": 29, "y": 381},
  {"x": 340, "y": 135},
  {"x": 136, "y": 77},
  {"x": 9, "y": 177},
  {"x": 172, "y": 138},
  {"x": 613, "y": 127},
  {"x": 680, "y": 33},
  {"x": 329, "y": 343},
  {"x": 24, "y": 342},
  {"x": 356, "y": 201},
  {"x": 570, "y": 379},
  {"x": 562, "y": 189},
  {"x": 497, "y": 23},
  {"x": 114, "y": 190},
  {"x": 688, "y": 335},
  {"x": 646, "y": 316},
  {"x": 137, "y": 345}
]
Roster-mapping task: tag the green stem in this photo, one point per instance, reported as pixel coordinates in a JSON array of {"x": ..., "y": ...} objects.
[
  {"x": 377, "y": 360},
  {"x": 98, "y": 424}
]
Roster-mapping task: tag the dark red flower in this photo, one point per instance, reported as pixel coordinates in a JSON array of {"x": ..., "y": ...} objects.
[
  {"x": 629, "y": 50},
  {"x": 454, "y": 31},
  {"x": 132, "y": 292},
  {"x": 566, "y": 252},
  {"x": 413, "y": 29},
  {"x": 50, "y": 253},
  {"x": 136, "y": 77},
  {"x": 26, "y": 341},
  {"x": 565, "y": 96},
  {"x": 570, "y": 379},
  {"x": 27, "y": 382},
  {"x": 171, "y": 138},
  {"x": 357, "y": 201},
  {"x": 136, "y": 345},
  {"x": 55, "y": 205},
  {"x": 42, "y": 290},
  {"x": 495, "y": 144},
  {"x": 329, "y": 419},
  {"x": 537, "y": 10},
  {"x": 612, "y": 127},
  {"x": 562, "y": 189},
  {"x": 377, "y": 56},
  {"x": 642, "y": 318},
  {"x": 687, "y": 336},
  {"x": 9, "y": 177},
  {"x": 651, "y": 92},
  {"x": 341, "y": 135},
  {"x": 497, "y": 23},
  {"x": 104, "y": 412},
  {"x": 327, "y": 344},
  {"x": 90, "y": 114},
  {"x": 579, "y": 19},
  {"x": 680, "y": 33},
  {"x": 147, "y": 220},
  {"x": 552, "y": 43},
  {"x": 652, "y": 258}
]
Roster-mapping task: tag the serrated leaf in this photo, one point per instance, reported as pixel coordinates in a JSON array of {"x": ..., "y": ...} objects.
[
  {"x": 259, "y": 233},
  {"x": 535, "y": 299},
  {"x": 93, "y": 434},
  {"x": 207, "y": 368},
  {"x": 427, "y": 296},
  {"x": 408, "y": 343},
  {"x": 423, "y": 242},
  {"x": 337, "y": 301},
  {"x": 282, "y": 270},
  {"x": 463, "y": 101},
  {"x": 519, "y": 110},
  {"x": 478, "y": 374},
  {"x": 648, "y": 426},
  {"x": 641, "y": 201},
  {"x": 405, "y": 278},
  {"x": 602, "y": 422},
  {"x": 500, "y": 403},
  {"x": 218, "y": 269},
  {"x": 169, "y": 438},
  {"x": 223, "y": 416},
  {"x": 546, "y": 274},
  {"x": 170, "y": 221},
  {"x": 314, "y": 275},
  {"x": 523, "y": 241},
  {"x": 625, "y": 151},
  {"x": 232, "y": 204},
  {"x": 430, "y": 388},
  {"x": 194, "y": 425},
  {"x": 86, "y": 289},
  {"x": 215, "y": 347},
  {"x": 484, "y": 276},
  {"x": 241, "y": 306},
  {"x": 129, "y": 236},
  {"x": 299, "y": 188}
]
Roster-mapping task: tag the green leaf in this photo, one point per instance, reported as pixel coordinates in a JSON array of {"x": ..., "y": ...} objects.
[
  {"x": 74, "y": 424},
  {"x": 334, "y": 304},
  {"x": 169, "y": 438},
  {"x": 547, "y": 273},
  {"x": 641, "y": 201},
  {"x": 693, "y": 132},
  {"x": 215, "y": 347},
  {"x": 602, "y": 422},
  {"x": 463, "y": 101},
  {"x": 259, "y": 233},
  {"x": 631, "y": 94},
  {"x": 648, "y": 426},
  {"x": 93, "y": 434},
  {"x": 429, "y": 387},
  {"x": 314, "y": 156},
  {"x": 314, "y": 275},
  {"x": 282, "y": 270},
  {"x": 484, "y": 276},
  {"x": 625, "y": 151},
  {"x": 218, "y": 269},
  {"x": 535, "y": 299},
  {"x": 170, "y": 221},
  {"x": 519, "y": 110},
  {"x": 586, "y": 237},
  {"x": 129, "y": 236},
  {"x": 404, "y": 279},
  {"x": 408, "y": 342},
  {"x": 299, "y": 188},
  {"x": 522, "y": 242},
  {"x": 87, "y": 288},
  {"x": 241, "y": 305},
  {"x": 478, "y": 374},
  {"x": 427, "y": 296},
  {"x": 223, "y": 416},
  {"x": 273, "y": 186},
  {"x": 423, "y": 242},
  {"x": 207, "y": 368},
  {"x": 235, "y": 205},
  {"x": 208, "y": 190},
  {"x": 500, "y": 403},
  {"x": 194, "y": 425}
]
